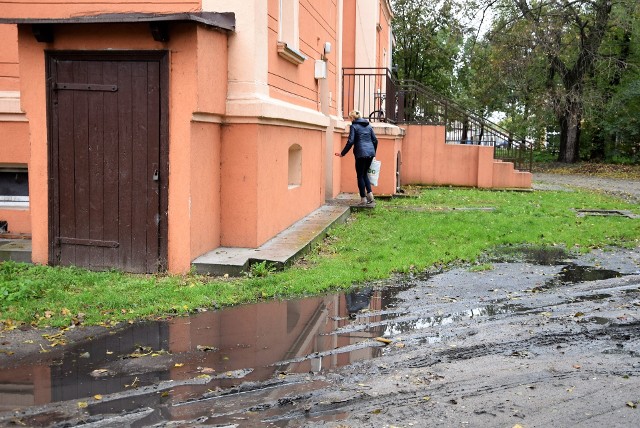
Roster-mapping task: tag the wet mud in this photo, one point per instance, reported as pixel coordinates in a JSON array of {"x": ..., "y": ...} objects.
[{"x": 539, "y": 339}]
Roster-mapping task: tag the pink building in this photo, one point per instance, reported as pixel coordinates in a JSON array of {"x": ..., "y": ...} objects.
[{"x": 141, "y": 135}]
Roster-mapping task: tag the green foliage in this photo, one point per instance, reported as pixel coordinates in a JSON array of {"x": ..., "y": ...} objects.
[
  {"x": 439, "y": 227},
  {"x": 429, "y": 38},
  {"x": 261, "y": 270},
  {"x": 574, "y": 66}
]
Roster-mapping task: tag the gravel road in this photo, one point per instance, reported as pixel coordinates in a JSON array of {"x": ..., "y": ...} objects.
[{"x": 626, "y": 189}]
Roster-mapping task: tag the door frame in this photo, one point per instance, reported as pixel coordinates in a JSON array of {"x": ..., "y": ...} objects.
[{"x": 162, "y": 56}]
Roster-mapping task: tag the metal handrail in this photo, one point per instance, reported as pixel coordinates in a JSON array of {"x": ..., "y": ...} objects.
[
  {"x": 372, "y": 91},
  {"x": 381, "y": 98}
]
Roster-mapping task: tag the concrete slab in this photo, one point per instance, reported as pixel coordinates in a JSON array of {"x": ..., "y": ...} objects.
[
  {"x": 17, "y": 250},
  {"x": 282, "y": 249}
]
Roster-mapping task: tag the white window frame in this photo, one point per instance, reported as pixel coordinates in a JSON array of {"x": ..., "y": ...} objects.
[{"x": 289, "y": 31}]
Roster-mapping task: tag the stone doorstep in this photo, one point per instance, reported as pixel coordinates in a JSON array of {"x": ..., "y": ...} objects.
[{"x": 281, "y": 250}]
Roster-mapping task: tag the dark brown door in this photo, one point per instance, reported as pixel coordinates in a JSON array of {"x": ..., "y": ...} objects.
[{"x": 108, "y": 168}]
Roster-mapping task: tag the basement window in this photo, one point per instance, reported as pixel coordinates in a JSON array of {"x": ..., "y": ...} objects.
[{"x": 14, "y": 186}]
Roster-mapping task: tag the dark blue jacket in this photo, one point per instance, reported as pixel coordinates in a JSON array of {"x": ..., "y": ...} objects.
[{"x": 362, "y": 138}]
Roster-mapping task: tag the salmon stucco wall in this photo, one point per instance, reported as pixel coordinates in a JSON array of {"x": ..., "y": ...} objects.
[
  {"x": 185, "y": 236},
  {"x": 295, "y": 83},
  {"x": 9, "y": 58},
  {"x": 197, "y": 102},
  {"x": 256, "y": 198},
  {"x": 14, "y": 129}
]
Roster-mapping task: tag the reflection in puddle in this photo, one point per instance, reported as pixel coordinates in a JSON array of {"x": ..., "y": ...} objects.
[{"x": 224, "y": 349}]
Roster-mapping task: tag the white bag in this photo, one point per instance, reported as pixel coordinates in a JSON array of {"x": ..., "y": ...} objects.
[{"x": 374, "y": 172}]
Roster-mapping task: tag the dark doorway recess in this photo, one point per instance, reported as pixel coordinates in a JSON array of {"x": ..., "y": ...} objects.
[{"x": 108, "y": 159}]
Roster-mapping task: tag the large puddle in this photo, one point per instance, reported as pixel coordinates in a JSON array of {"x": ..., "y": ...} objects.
[{"x": 223, "y": 348}]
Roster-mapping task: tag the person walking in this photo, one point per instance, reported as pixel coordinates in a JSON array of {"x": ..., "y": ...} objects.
[{"x": 365, "y": 145}]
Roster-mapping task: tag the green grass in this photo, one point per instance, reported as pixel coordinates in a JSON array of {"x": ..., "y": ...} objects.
[{"x": 400, "y": 235}]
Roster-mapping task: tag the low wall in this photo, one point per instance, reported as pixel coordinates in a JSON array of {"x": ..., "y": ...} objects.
[{"x": 426, "y": 159}]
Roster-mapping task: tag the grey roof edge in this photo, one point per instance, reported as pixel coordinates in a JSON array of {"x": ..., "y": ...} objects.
[{"x": 221, "y": 20}]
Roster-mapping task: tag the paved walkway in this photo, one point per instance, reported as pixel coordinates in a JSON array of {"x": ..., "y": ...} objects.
[{"x": 281, "y": 250}]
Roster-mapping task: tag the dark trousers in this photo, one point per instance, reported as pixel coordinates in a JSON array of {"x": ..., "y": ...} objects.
[{"x": 362, "y": 166}]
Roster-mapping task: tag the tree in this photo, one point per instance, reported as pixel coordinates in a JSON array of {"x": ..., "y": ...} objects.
[
  {"x": 566, "y": 35},
  {"x": 428, "y": 39}
]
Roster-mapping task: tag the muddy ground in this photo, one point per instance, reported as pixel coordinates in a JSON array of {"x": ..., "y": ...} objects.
[{"x": 538, "y": 339}]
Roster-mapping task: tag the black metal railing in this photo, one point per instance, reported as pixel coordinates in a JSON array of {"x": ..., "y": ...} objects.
[
  {"x": 379, "y": 97},
  {"x": 372, "y": 91}
]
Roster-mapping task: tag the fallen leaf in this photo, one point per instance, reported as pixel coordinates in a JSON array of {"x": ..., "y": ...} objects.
[
  {"x": 577, "y": 366},
  {"x": 376, "y": 411},
  {"x": 632, "y": 404},
  {"x": 426, "y": 398},
  {"x": 98, "y": 397},
  {"x": 164, "y": 394},
  {"x": 579, "y": 314},
  {"x": 207, "y": 370},
  {"x": 546, "y": 314},
  {"x": 83, "y": 404},
  {"x": 178, "y": 365},
  {"x": 383, "y": 340}
]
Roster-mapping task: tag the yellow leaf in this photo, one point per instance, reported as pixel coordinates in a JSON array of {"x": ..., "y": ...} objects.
[
  {"x": 83, "y": 404},
  {"x": 376, "y": 411},
  {"x": 98, "y": 397},
  {"x": 178, "y": 365},
  {"x": 631, "y": 404},
  {"x": 383, "y": 340},
  {"x": 426, "y": 398},
  {"x": 164, "y": 394}
]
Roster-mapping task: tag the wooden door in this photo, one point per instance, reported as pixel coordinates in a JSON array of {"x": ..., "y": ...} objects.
[{"x": 108, "y": 160}]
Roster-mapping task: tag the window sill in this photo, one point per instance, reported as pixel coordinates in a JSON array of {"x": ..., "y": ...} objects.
[
  {"x": 14, "y": 205},
  {"x": 293, "y": 186},
  {"x": 290, "y": 54}
]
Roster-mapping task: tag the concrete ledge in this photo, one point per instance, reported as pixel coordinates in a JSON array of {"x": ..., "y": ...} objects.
[
  {"x": 17, "y": 250},
  {"x": 280, "y": 251}
]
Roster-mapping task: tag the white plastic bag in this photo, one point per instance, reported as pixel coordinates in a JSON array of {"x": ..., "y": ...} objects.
[{"x": 374, "y": 172}]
